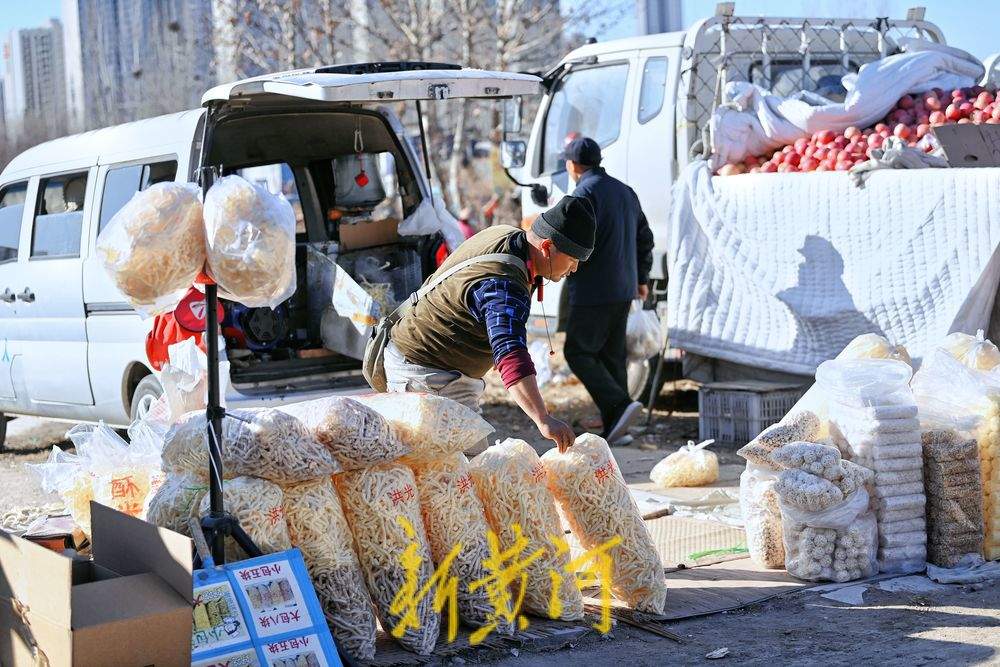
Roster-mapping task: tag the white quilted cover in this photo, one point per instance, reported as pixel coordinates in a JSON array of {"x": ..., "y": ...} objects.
[{"x": 781, "y": 271}]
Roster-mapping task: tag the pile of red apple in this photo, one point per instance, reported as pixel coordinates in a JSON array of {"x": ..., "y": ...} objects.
[{"x": 911, "y": 119}]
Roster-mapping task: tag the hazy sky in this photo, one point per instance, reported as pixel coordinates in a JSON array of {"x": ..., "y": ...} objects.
[{"x": 968, "y": 25}]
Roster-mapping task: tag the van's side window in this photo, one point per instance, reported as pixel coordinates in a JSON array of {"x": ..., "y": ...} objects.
[
  {"x": 587, "y": 102},
  {"x": 123, "y": 182},
  {"x": 59, "y": 216},
  {"x": 11, "y": 211},
  {"x": 653, "y": 89}
]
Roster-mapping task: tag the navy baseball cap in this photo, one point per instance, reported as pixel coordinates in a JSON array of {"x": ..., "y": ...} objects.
[{"x": 583, "y": 150}]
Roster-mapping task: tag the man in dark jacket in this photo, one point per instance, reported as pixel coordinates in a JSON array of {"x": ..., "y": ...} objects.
[{"x": 601, "y": 290}]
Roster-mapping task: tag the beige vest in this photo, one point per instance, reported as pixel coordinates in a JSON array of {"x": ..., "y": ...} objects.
[{"x": 439, "y": 331}]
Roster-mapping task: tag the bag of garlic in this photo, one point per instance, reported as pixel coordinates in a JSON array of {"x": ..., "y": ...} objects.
[
  {"x": 454, "y": 515},
  {"x": 691, "y": 465},
  {"x": 432, "y": 426},
  {"x": 762, "y": 516},
  {"x": 594, "y": 498},
  {"x": 355, "y": 434},
  {"x": 176, "y": 501},
  {"x": 318, "y": 528},
  {"x": 154, "y": 247},
  {"x": 510, "y": 480},
  {"x": 838, "y": 543},
  {"x": 260, "y": 442},
  {"x": 250, "y": 236},
  {"x": 383, "y": 512},
  {"x": 259, "y": 507}
]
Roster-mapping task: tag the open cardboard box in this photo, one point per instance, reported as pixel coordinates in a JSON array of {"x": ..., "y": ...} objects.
[{"x": 130, "y": 605}]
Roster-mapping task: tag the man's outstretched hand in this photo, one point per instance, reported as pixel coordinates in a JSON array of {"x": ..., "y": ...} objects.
[
  {"x": 557, "y": 431},
  {"x": 642, "y": 292}
]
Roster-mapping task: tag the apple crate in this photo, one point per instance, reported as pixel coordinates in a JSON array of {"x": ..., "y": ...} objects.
[{"x": 734, "y": 413}]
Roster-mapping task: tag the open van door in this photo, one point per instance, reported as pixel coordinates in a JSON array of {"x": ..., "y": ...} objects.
[{"x": 380, "y": 82}]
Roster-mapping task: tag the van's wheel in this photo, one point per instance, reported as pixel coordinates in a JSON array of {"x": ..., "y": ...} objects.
[
  {"x": 144, "y": 395},
  {"x": 640, "y": 379}
]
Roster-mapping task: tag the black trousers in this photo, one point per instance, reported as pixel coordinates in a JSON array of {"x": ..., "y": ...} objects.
[{"x": 595, "y": 352}]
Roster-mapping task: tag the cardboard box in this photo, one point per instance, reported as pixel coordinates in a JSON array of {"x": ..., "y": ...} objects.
[
  {"x": 970, "y": 145},
  {"x": 129, "y": 606},
  {"x": 366, "y": 234}
]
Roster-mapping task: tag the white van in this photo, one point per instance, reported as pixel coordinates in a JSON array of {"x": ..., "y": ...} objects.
[
  {"x": 70, "y": 346},
  {"x": 647, "y": 101}
]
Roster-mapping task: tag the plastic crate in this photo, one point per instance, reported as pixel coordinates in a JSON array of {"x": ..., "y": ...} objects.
[{"x": 734, "y": 413}]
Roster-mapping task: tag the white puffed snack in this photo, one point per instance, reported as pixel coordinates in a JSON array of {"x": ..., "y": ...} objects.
[
  {"x": 317, "y": 526},
  {"x": 853, "y": 477},
  {"x": 510, "y": 480},
  {"x": 691, "y": 465},
  {"x": 432, "y": 426},
  {"x": 262, "y": 442},
  {"x": 355, "y": 434},
  {"x": 594, "y": 498},
  {"x": 259, "y": 507},
  {"x": 801, "y": 426},
  {"x": 807, "y": 491},
  {"x": 374, "y": 499},
  {"x": 820, "y": 460},
  {"x": 762, "y": 516},
  {"x": 154, "y": 247},
  {"x": 251, "y": 242},
  {"x": 176, "y": 502},
  {"x": 974, "y": 351},
  {"x": 453, "y": 515}
]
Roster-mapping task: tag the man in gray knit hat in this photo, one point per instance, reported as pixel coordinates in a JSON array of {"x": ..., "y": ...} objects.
[{"x": 475, "y": 314}]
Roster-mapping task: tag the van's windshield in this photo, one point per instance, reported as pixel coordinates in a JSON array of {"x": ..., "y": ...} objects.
[{"x": 586, "y": 102}]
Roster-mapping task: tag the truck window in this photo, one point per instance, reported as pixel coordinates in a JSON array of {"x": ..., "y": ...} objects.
[
  {"x": 587, "y": 102},
  {"x": 653, "y": 89},
  {"x": 11, "y": 209},
  {"x": 59, "y": 216},
  {"x": 121, "y": 183}
]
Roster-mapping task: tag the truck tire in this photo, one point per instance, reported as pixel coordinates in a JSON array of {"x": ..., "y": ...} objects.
[
  {"x": 145, "y": 393},
  {"x": 640, "y": 379}
]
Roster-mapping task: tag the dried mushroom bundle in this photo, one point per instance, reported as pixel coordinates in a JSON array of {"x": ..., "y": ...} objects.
[
  {"x": 374, "y": 499},
  {"x": 258, "y": 505},
  {"x": 510, "y": 480},
  {"x": 251, "y": 242},
  {"x": 454, "y": 515},
  {"x": 432, "y": 426},
  {"x": 589, "y": 487},
  {"x": 355, "y": 434},
  {"x": 317, "y": 526},
  {"x": 154, "y": 246},
  {"x": 262, "y": 442}
]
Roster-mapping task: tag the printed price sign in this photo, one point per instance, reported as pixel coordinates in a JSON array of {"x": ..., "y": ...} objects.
[{"x": 260, "y": 612}]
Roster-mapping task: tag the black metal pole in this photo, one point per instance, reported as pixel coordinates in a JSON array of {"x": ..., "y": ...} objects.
[{"x": 423, "y": 148}]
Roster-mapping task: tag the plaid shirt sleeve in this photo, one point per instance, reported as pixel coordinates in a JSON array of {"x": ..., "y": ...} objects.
[{"x": 503, "y": 306}]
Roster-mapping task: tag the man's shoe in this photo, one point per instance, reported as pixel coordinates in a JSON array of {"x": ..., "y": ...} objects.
[
  {"x": 628, "y": 417},
  {"x": 623, "y": 441}
]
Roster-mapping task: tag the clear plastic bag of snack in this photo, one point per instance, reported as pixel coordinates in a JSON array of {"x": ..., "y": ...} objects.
[
  {"x": 976, "y": 352},
  {"x": 642, "y": 333},
  {"x": 807, "y": 492},
  {"x": 432, "y": 426},
  {"x": 375, "y": 500},
  {"x": 67, "y": 475},
  {"x": 593, "y": 496},
  {"x": 839, "y": 543},
  {"x": 261, "y": 442},
  {"x": 318, "y": 528},
  {"x": 817, "y": 459},
  {"x": 356, "y": 434},
  {"x": 762, "y": 516},
  {"x": 185, "y": 379},
  {"x": 176, "y": 502},
  {"x": 691, "y": 465},
  {"x": 259, "y": 507},
  {"x": 796, "y": 426},
  {"x": 874, "y": 346},
  {"x": 154, "y": 247},
  {"x": 453, "y": 515},
  {"x": 510, "y": 480},
  {"x": 250, "y": 236},
  {"x": 122, "y": 474}
]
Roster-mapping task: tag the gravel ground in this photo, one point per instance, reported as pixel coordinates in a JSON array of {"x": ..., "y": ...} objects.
[{"x": 954, "y": 625}]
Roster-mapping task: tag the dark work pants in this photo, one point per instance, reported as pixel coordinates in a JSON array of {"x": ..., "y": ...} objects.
[{"x": 595, "y": 352}]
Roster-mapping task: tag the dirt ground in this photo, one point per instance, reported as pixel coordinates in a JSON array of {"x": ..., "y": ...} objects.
[{"x": 954, "y": 625}]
